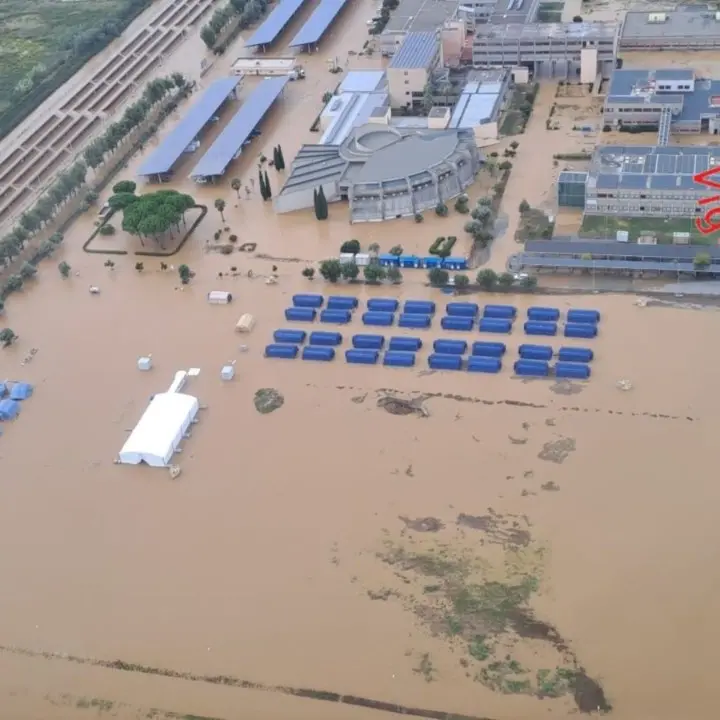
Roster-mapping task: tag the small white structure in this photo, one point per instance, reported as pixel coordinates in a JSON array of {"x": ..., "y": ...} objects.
[
  {"x": 219, "y": 297},
  {"x": 228, "y": 371},
  {"x": 245, "y": 324},
  {"x": 144, "y": 363},
  {"x": 160, "y": 430}
]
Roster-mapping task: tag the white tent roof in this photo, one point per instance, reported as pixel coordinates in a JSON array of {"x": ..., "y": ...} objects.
[{"x": 160, "y": 429}]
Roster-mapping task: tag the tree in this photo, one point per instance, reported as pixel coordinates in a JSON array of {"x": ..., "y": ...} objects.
[
  {"x": 441, "y": 209},
  {"x": 427, "y": 98},
  {"x": 506, "y": 280},
  {"x": 107, "y": 229},
  {"x": 483, "y": 214},
  {"x": 220, "y": 206},
  {"x": 27, "y": 271},
  {"x": 208, "y": 36},
  {"x": 396, "y": 250},
  {"x": 487, "y": 279},
  {"x": 461, "y": 281},
  {"x": 64, "y": 269},
  {"x": 461, "y": 204},
  {"x": 524, "y": 206},
  {"x": 702, "y": 260},
  {"x": 438, "y": 277},
  {"x": 350, "y": 247},
  {"x": 349, "y": 270},
  {"x": 185, "y": 274},
  {"x": 139, "y": 266},
  {"x": 12, "y": 284},
  {"x": 394, "y": 275},
  {"x": 505, "y": 165},
  {"x": 124, "y": 186},
  {"x": 7, "y": 337},
  {"x": 374, "y": 273},
  {"x": 56, "y": 238},
  {"x": 529, "y": 282},
  {"x": 331, "y": 270},
  {"x": 30, "y": 222},
  {"x": 280, "y": 162},
  {"x": 236, "y": 185},
  {"x": 268, "y": 187},
  {"x": 122, "y": 200},
  {"x": 321, "y": 206},
  {"x": 374, "y": 249},
  {"x": 474, "y": 227},
  {"x": 308, "y": 272},
  {"x": 91, "y": 197},
  {"x": 261, "y": 183},
  {"x": 577, "y": 19}
]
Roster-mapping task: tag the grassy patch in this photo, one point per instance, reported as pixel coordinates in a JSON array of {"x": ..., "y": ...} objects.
[
  {"x": 607, "y": 226},
  {"x": 519, "y": 109},
  {"x": 534, "y": 225}
]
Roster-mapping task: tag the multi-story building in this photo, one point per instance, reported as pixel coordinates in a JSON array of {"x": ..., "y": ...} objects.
[
  {"x": 412, "y": 16},
  {"x": 574, "y": 51},
  {"x": 688, "y": 27},
  {"x": 411, "y": 68}
]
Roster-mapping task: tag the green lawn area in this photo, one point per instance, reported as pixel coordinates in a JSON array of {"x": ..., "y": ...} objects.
[
  {"x": 518, "y": 109},
  {"x": 43, "y": 42},
  {"x": 608, "y": 225}
]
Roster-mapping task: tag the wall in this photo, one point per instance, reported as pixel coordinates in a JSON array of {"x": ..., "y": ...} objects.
[
  {"x": 588, "y": 65},
  {"x": 402, "y": 83},
  {"x": 452, "y": 39},
  {"x": 653, "y": 205},
  {"x": 303, "y": 199},
  {"x": 486, "y": 134}
]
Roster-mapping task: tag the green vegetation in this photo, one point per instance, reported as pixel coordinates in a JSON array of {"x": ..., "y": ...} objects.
[
  {"x": 534, "y": 224},
  {"x": 185, "y": 274},
  {"x": 385, "y": 9},
  {"x": 64, "y": 269},
  {"x": 278, "y": 158},
  {"x": 519, "y": 109},
  {"x": 394, "y": 275},
  {"x": 308, "y": 273},
  {"x": 441, "y": 210},
  {"x": 320, "y": 204},
  {"x": 374, "y": 273},
  {"x": 349, "y": 270},
  {"x": 43, "y": 43},
  {"x": 487, "y": 279},
  {"x": 461, "y": 281},
  {"x": 606, "y": 226},
  {"x": 442, "y": 247},
  {"x": 229, "y": 21},
  {"x": 350, "y": 247},
  {"x": 438, "y": 277},
  {"x": 331, "y": 270},
  {"x": 7, "y": 337},
  {"x": 220, "y": 207}
]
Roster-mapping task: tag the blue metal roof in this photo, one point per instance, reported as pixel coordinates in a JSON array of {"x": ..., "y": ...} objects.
[
  {"x": 417, "y": 51},
  {"x": 237, "y": 131},
  {"x": 167, "y": 154},
  {"x": 274, "y": 23},
  {"x": 318, "y": 23}
]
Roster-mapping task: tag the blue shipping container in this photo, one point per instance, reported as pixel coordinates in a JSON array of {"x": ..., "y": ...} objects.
[
  {"x": 382, "y": 305},
  {"x": 384, "y": 319},
  {"x": 575, "y": 354},
  {"x": 410, "y": 261},
  {"x": 494, "y": 325},
  {"x": 544, "y": 314},
  {"x": 405, "y": 344},
  {"x": 500, "y": 311},
  {"x": 335, "y": 317},
  {"x": 308, "y": 300},
  {"x": 583, "y": 316},
  {"x": 362, "y": 357},
  {"x": 438, "y": 361},
  {"x": 581, "y": 330},
  {"x": 281, "y": 351},
  {"x": 532, "y": 368},
  {"x": 450, "y": 347},
  {"x": 457, "y": 323},
  {"x": 387, "y": 260},
  {"x": 488, "y": 349},
  {"x": 535, "y": 352},
  {"x": 296, "y": 337},
  {"x": 576, "y": 371},
  {"x": 316, "y": 352},
  {"x": 463, "y": 309},
  {"x": 455, "y": 263},
  {"x": 325, "y": 338},
  {"x": 418, "y": 322},
  {"x": 535, "y": 327},
  {"x": 300, "y": 314},
  {"x": 399, "y": 359},
  {"x": 419, "y": 307},
  {"x": 484, "y": 364},
  {"x": 342, "y": 302},
  {"x": 368, "y": 342}
]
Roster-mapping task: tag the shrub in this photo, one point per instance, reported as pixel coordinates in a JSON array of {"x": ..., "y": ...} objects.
[
  {"x": 394, "y": 275},
  {"x": 418, "y": 218},
  {"x": 487, "y": 279},
  {"x": 374, "y": 273},
  {"x": 436, "y": 245},
  {"x": 461, "y": 281},
  {"x": 505, "y": 280},
  {"x": 107, "y": 229},
  {"x": 396, "y": 250},
  {"x": 233, "y": 238},
  {"x": 331, "y": 270},
  {"x": 524, "y": 207},
  {"x": 441, "y": 210},
  {"x": 308, "y": 272},
  {"x": 351, "y": 247},
  {"x": 349, "y": 270},
  {"x": 438, "y": 277},
  {"x": 529, "y": 282}
]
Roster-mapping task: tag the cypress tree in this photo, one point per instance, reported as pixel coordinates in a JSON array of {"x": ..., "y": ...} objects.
[
  {"x": 280, "y": 158},
  {"x": 276, "y": 161},
  {"x": 268, "y": 189},
  {"x": 263, "y": 191},
  {"x": 315, "y": 204},
  {"x": 322, "y": 204}
]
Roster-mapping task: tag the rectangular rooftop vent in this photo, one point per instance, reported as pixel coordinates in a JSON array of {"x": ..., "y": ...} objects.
[{"x": 660, "y": 17}]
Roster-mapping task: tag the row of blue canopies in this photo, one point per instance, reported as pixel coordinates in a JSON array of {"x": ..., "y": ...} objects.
[
  {"x": 427, "y": 263},
  {"x": 11, "y": 396}
]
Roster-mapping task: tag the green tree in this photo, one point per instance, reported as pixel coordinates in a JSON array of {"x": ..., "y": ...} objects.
[
  {"x": 394, "y": 275},
  {"x": 220, "y": 206},
  {"x": 505, "y": 165},
  {"x": 331, "y": 270},
  {"x": 107, "y": 229},
  {"x": 321, "y": 205},
  {"x": 124, "y": 186},
  {"x": 280, "y": 162},
  {"x": 7, "y": 337},
  {"x": 308, "y": 273},
  {"x": 236, "y": 185},
  {"x": 529, "y": 282},
  {"x": 261, "y": 182},
  {"x": 438, "y": 277},
  {"x": 474, "y": 227},
  {"x": 514, "y": 144},
  {"x": 27, "y": 271},
  {"x": 185, "y": 274},
  {"x": 208, "y": 36},
  {"x": 483, "y": 214},
  {"x": 374, "y": 249},
  {"x": 702, "y": 260},
  {"x": 349, "y": 270},
  {"x": 461, "y": 204},
  {"x": 30, "y": 222},
  {"x": 268, "y": 187},
  {"x": 56, "y": 238},
  {"x": 506, "y": 280},
  {"x": 12, "y": 284},
  {"x": 524, "y": 206},
  {"x": 427, "y": 98},
  {"x": 374, "y": 273},
  {"x": 461, "y": 281},
  {"x": 350, "y": 247},
  {"x": 91, "y": 197},
  {"x": 122, "y": 200},
  {"x": 139, "y": 266},
  {"x": 441, "y": 209},
  {"x": 396, "y": 250},
  {"x": 487, "y": 279},
  {"x": 64, "y": 269}
]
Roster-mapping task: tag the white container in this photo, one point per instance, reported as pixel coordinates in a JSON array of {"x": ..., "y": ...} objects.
[
  {"x": 362, "y": 259},
  {"x": 227, "y": 372},
  {"x": 219, "y": 297},
  {"x": 144, "y": 363},
  {"x": 347, "y": 257},
  {"x": 245, "y": 324}
]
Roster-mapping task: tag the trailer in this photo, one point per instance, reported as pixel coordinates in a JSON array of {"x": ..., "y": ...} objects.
[{"x": 269, "y": 67}]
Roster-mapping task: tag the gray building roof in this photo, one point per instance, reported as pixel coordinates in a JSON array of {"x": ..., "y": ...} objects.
[
  {"x": 684, "y": 22},
  {"x": 418, "y": 50},
  {"x": 542, "y": 31},
  {"x": 611, "y": 249},
  {"x": 480, "y": 102},
  {"x": 363, "y": 81},
  {"x": 420, "y": 15}
]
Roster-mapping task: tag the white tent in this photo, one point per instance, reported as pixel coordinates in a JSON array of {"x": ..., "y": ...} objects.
[{"x": 160, "y": 430}]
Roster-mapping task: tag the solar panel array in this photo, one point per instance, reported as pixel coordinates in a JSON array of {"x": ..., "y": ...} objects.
[
  {"x": 318, "y": 23},
  {"x": 275, "y": 23}
]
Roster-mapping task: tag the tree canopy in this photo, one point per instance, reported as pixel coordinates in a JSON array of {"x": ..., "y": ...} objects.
[{"x": 153, "y": 214}]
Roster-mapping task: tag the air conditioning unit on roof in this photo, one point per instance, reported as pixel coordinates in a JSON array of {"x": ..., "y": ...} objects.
[{"x": 657, "y": 17}]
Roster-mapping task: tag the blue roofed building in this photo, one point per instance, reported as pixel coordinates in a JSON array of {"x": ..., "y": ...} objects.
[{"x": 411, "y": 68}]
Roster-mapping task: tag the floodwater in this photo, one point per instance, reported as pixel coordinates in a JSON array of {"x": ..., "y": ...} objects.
[{"x": 261, "y": 561}]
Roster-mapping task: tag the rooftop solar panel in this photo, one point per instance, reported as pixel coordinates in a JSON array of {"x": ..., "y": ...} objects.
[
  {"x": 161, "y": 161},
  {"x": 274, "y": 23},
  {"x": 237, "y": 131},
  {"x": 318, "y": 23}
]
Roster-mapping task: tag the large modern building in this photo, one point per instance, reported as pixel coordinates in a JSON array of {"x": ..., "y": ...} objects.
[
  {"x": 673, "y": 100},
  {"x": 641, "y": 181},
  {"x": 416, "y": 16},
  {"x": 689, "y": 27},
  {"x": 383, "y": 172},
  {"x": 573, "y": 51},
  {"x": 411, "y": 68}
]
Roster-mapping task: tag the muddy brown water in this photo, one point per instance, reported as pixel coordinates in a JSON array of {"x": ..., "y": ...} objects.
[{"x": 256, "y": 562}]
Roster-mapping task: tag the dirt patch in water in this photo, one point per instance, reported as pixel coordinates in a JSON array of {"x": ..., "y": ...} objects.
[
  {"x": 267, "y": 400},
  {"x": 508, "y": 531},
  {"x": 426, "y": 524},
  {"x": 557, "y": 451}
]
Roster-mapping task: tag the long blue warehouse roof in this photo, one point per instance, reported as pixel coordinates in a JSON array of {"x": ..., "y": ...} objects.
[
  {"x": 168, "y": 153},
  {"x": 318, "y": 23},
  {"x": 274, "y": 23},
  {"x": 221, "y": 153}
]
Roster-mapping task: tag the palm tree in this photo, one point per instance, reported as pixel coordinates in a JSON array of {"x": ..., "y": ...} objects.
[
  {"x": 220, "y": 206},
  {"x": 236, "y": 184}
]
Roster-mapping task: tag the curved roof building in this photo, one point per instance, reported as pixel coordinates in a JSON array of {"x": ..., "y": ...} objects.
[{"x": 384, "y": 172}]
